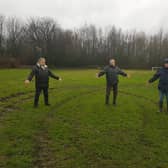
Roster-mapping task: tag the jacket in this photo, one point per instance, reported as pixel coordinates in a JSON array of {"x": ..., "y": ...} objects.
[
  {"x": 162, "y": 75},
  {"x": 42, "y": 74},
  {"x": 112, "y": 73}
]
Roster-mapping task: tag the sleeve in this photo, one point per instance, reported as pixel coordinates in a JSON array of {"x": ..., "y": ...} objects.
[
  {"x": 31, "y": 75},
  {"x": 101, "y": 73},
  {"x": 120, "y": 72},
  {"x": 53, "y": 75},
  {"x": 155, "y": 77}
]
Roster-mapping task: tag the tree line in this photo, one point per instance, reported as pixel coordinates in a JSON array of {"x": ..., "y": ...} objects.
[{"x": 23, "y": 42}]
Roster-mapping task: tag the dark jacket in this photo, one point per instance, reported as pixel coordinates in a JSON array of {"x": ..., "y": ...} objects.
[
  {"x": 112, "y": 73},
  {"x": 41, "y": 76},
  {"x": 162, "y": 75}
]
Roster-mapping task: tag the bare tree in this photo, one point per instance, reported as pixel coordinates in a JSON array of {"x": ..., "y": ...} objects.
[
  {"x": 14, "y": 33},
  {"x": 87, "y": 45},
  {"x": 2, "y": 22}
]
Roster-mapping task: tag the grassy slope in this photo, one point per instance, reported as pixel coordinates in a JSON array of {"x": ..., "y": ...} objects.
[{"x": 78, "y": 130}]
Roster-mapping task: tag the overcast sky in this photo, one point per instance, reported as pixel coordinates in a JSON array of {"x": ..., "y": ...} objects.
[{"x": 145, "y": 15}]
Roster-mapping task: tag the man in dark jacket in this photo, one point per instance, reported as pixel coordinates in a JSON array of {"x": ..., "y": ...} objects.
[
  {"x": 111, "y": 71},
  {"x": 162, "y": 75},
  {"x": 42, "y": 74}
]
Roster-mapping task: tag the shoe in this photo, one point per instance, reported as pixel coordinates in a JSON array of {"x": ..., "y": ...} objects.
[
  {"x": 114, "y": 104},
  {"x": 160, "y": 107},
  {"x": 160, "y": 110},
  {"x": 35, "y": 106},
  {"x": 48, "y": 104},
  {"x": 107, "y": 100}
]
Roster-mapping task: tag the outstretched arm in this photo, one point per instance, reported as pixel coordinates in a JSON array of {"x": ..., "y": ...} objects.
[
  {"x": 31, "y": 75},
  {"x": 53, "y": 75},
  {"x": 120, "y": 72},
  {"x": 101, "y": 73},
  {"x": 155, "y": 77}
]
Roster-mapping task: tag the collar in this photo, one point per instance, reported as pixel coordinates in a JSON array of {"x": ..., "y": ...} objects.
[
  {"x": 112, "y": 66},
  {"x": 43, "y": 67}
]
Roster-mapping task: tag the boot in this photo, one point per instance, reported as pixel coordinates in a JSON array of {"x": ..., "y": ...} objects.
[
  {"x": 114, "y": 99},
  {"x": 160, "y": 106},
  {"x": 46, "y": 100},
  {"x": 107, "y": 100},
  {"x": 35, "y": 103},
  {"x": 114, "y": 102}
]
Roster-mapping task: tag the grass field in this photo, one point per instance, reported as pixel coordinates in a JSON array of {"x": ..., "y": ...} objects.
[{"x": 78, "y": 130}]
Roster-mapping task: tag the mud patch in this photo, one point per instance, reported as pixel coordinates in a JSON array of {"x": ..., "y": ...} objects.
[{"x": 44, "y": 153}]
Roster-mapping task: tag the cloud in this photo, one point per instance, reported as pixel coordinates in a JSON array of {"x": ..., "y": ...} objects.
[{"x": 146, "y": 15}]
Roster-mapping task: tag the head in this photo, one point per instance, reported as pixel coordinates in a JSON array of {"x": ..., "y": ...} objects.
[
  {"x": 42, "y": 61},
  {"x": 166, "y": 63},
  {"x": 112, "y": 62}
]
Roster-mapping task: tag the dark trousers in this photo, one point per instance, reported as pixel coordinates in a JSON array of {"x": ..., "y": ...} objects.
[
  {"x": 163, "y": 94},
  {"x": 37, "y": 95},
  {"x": 115, "y": 93}
]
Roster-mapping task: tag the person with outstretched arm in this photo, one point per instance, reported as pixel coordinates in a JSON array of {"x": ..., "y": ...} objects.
[
  {"x": 162, "y": 75},
  {"x": 111, "y": 71},
  {"x": 42, "y": 74}
]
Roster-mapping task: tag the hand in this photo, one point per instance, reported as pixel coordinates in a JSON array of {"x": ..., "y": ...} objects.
[
  {"x": 128, "y": 76},
  {"x": 97, "y": 75},
  {"x": 60, "y": 79},
  {"x": 27, "y": 82}
]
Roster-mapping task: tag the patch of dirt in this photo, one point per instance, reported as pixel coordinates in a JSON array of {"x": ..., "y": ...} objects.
[
  {"x": 44, "y": 154},
  {"x": 19, "y": 94},
  {"x": 3, "y": 99},
  {"x": 14, "y": 106},
  {"x": 2, "y": 158}
]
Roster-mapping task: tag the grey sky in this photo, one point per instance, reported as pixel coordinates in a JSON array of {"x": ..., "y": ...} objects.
[{"x": 146, "y": 15}]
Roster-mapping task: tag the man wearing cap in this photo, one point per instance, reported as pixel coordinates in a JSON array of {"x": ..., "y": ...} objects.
[
  {"x": 111, "y": 71},
  {"x": 162, "y": 75},
  {"x": 42, "y": 74}
]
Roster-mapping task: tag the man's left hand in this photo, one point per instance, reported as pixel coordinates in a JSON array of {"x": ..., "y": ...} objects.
[{"x": 128, "y": 76}]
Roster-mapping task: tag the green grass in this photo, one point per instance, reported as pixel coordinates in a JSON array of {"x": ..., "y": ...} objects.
[{"x": 78, "y": 130}]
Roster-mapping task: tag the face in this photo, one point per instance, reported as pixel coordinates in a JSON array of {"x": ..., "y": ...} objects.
[
  {"x": 42, "y": 62},
  {"x": 112, "y": 62},
  {"x": 166, "y": 65}
]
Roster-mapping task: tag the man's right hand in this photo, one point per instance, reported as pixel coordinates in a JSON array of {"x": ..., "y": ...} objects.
[
  {"x": 97, "y": 75},
  {"x": 128, "y": 76},
  {"x": 27, "y": 82}
]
